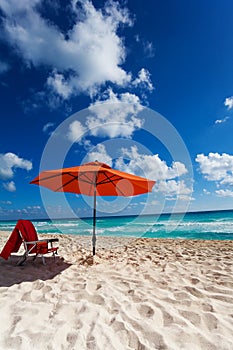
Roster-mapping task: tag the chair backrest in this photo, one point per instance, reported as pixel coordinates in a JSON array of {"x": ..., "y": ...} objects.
[
  {"x": 27, "y": 230},
  {"x": 24, "y": 231}
]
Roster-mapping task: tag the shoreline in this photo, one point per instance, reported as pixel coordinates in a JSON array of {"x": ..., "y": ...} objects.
[{"x": 137, "y": 293}]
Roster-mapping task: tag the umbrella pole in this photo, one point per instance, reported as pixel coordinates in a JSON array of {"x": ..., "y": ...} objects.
[{"x": 94, "y": 223}]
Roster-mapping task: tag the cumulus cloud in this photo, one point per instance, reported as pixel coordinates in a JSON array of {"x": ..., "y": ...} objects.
[
  {"x": 115, "y": 116},
  {"x": 224, "y": 193},
  {"x": 173, "y": 188},
  {"x": 220, "y": 121},
  {"x": 100, "y": 154},
  {"x": 90, "y": 54},
  {"x": 9, "y": 186},
  {"x": 76, "y": 131},
  {"x": 58, "y": 84},
  {"x": 167, "y": 178},
  {"x": 149, "y": 165},
  {"x": 9, "y": 162},
  {"x": 216, "y": 167},
  {"x": 143, "y": 80},
  {"x": 229, "y": 102}
]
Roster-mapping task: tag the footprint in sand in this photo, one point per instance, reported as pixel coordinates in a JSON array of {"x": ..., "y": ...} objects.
[
  {"x": 182, "y": 296},
  {"x": 15, "y": 322},
  {"x": 96, "y": 299},
  {"x": 167, "y": 318},
  {"x": 192, "y": 317},
  {"x": 71, "y": 339},
  {"x": 91, "y": 343},
  {"x": 134, "y": 342},
  {"x": 145, "y": 310},
  {"x": 210, "y": 321},
  {"x": 38, "y": 285},
  {"x": 92, "y": 286},
  {"x": 37, "y": 295},
  {"x": 194, "y": 280},
  {"x": 14, "y": 342},
  {"x": 207, "y": 307},
  {"x": 117, "y": 325},
  {"x": 194, "y": 291}
]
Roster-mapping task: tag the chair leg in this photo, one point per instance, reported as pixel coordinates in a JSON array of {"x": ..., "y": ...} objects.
[
  {"x": 43, "y": 259},
  {"x": 21, "y": 260}
]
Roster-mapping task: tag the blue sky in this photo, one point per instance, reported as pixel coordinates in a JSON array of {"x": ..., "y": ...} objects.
[{"x": 87, "y": 80}]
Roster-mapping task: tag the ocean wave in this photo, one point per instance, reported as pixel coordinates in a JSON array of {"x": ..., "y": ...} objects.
[{"x": 200, "y": 226}]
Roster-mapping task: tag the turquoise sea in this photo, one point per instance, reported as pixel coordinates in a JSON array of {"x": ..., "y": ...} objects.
[{"x": 198, "y": 225}]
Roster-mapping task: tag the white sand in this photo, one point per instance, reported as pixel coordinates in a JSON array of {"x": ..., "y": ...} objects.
[{"x": 136, "y": 294}]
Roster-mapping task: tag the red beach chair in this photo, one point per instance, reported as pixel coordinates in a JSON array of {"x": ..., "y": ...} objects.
[{"x": 25, "y": 232}]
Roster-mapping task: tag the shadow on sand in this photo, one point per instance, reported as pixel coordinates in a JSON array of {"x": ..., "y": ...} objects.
[{"x": 30, "y": 271}]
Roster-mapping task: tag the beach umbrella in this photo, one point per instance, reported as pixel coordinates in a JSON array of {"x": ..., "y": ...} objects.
[{"x": 94, "y": 179}]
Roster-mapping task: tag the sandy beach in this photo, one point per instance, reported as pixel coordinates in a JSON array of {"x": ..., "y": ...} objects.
[{"x": 135, "y": 294}]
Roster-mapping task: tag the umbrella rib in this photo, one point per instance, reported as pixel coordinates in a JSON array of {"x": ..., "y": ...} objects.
[
  {"x": 67, "y": 183},
  {"x": 107, "y": 179},
  {"x": 46, "y": 178},
  {"x": 110, "y": 180},
  {"x": 80, "y": 176},
  {"x": 89, "y": 180}
]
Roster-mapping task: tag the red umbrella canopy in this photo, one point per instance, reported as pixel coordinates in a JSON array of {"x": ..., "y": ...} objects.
[{"x": 84, "y": 179}]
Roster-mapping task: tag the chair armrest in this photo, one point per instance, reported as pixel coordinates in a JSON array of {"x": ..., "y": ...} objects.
[
  {"x": 53, "y": 240},
  {"x": 32, "y": 242},
  {"x": 43, "y": 240}
]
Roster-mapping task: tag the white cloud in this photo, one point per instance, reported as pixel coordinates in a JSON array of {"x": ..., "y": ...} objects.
[
  {"x": 150, "y": 166},
  {"x": 9, "y": 186},
  {"x": 100, "y": 154},
  {"x": 49, "y": 97},
  {"x": 149, "y": 49},
  {"x": 19, "y": 6},
  {"x": 115, "y": 116},
  {"x": 10, "y": 161},
  {"x": 143, "y": 79},
  {"x": 90, "y": 54},
  {"x": 34, "y": 207},
  {"x": 224, "y": 193},
  {"x": 47, "y": 126},
  {"x": 76, "y": 131},
  {"x": 220, "y": 121},
  {"x": 229, "y": 102},
  {"x": 167, "y": 178},
  {"x": 216, "y": 167},
  {"x": 58, "y": 83},
  {"x": 173, "y": 188}
]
